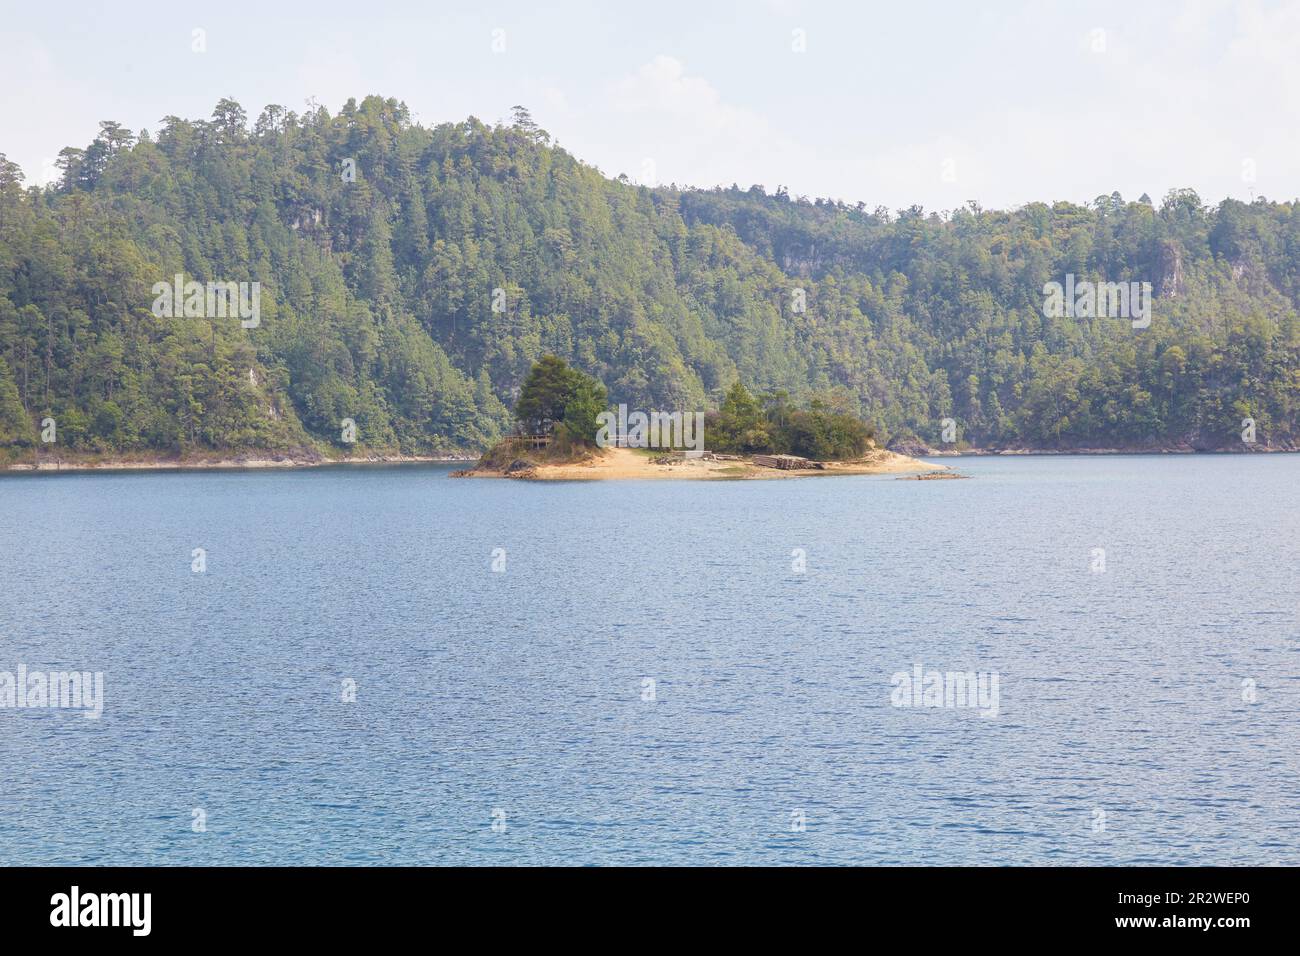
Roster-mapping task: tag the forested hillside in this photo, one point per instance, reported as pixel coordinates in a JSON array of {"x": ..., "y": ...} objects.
[{"x": 413, "y": 296}]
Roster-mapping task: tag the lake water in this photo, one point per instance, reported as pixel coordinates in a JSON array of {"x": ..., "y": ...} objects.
[{"x": 1148, "y": 698}]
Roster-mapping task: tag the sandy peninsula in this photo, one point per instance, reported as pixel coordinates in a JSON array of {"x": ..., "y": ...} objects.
[{"x": 627, "y": 463}]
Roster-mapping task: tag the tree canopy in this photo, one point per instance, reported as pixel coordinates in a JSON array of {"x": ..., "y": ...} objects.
[
  {"x": 555, "y": 394},
  {"x": 744, "y": 425}
]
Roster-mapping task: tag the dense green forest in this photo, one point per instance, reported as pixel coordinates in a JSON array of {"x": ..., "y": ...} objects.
[{"x": 410, "y": 277}]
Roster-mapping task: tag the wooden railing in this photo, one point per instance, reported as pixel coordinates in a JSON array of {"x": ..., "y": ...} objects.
[{"x": 529, "y": 441}]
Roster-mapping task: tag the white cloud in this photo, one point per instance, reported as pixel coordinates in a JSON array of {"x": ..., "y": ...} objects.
[
  {"x": 663, "y": 86},
  {"x": 683, "y": 123}
]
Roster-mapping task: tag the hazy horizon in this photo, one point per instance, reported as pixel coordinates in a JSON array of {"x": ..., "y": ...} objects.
[{"x": 1004, "y": 107}]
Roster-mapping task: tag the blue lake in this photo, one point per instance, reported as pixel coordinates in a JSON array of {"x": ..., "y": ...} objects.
[{"x": 1148, "y": 697}]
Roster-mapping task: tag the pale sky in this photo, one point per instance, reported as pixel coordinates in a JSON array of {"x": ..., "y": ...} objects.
[{"x": 896, "y": 103}]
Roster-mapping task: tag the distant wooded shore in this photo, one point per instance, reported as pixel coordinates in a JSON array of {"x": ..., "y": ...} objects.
[{"x": 251, "y": 461}]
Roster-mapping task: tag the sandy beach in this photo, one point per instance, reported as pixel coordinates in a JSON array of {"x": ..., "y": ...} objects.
[{"x": 626, "y": 463}]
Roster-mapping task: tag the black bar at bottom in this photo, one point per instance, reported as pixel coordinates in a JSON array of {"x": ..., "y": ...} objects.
[{"x": 336, "y": 905}]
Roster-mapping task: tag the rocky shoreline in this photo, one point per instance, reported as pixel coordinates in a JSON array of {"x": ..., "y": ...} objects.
[
  {"x": 922, "y": 450},
  {"x": 257, "y": 460},
  {"x": 246, "y": 461}
]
